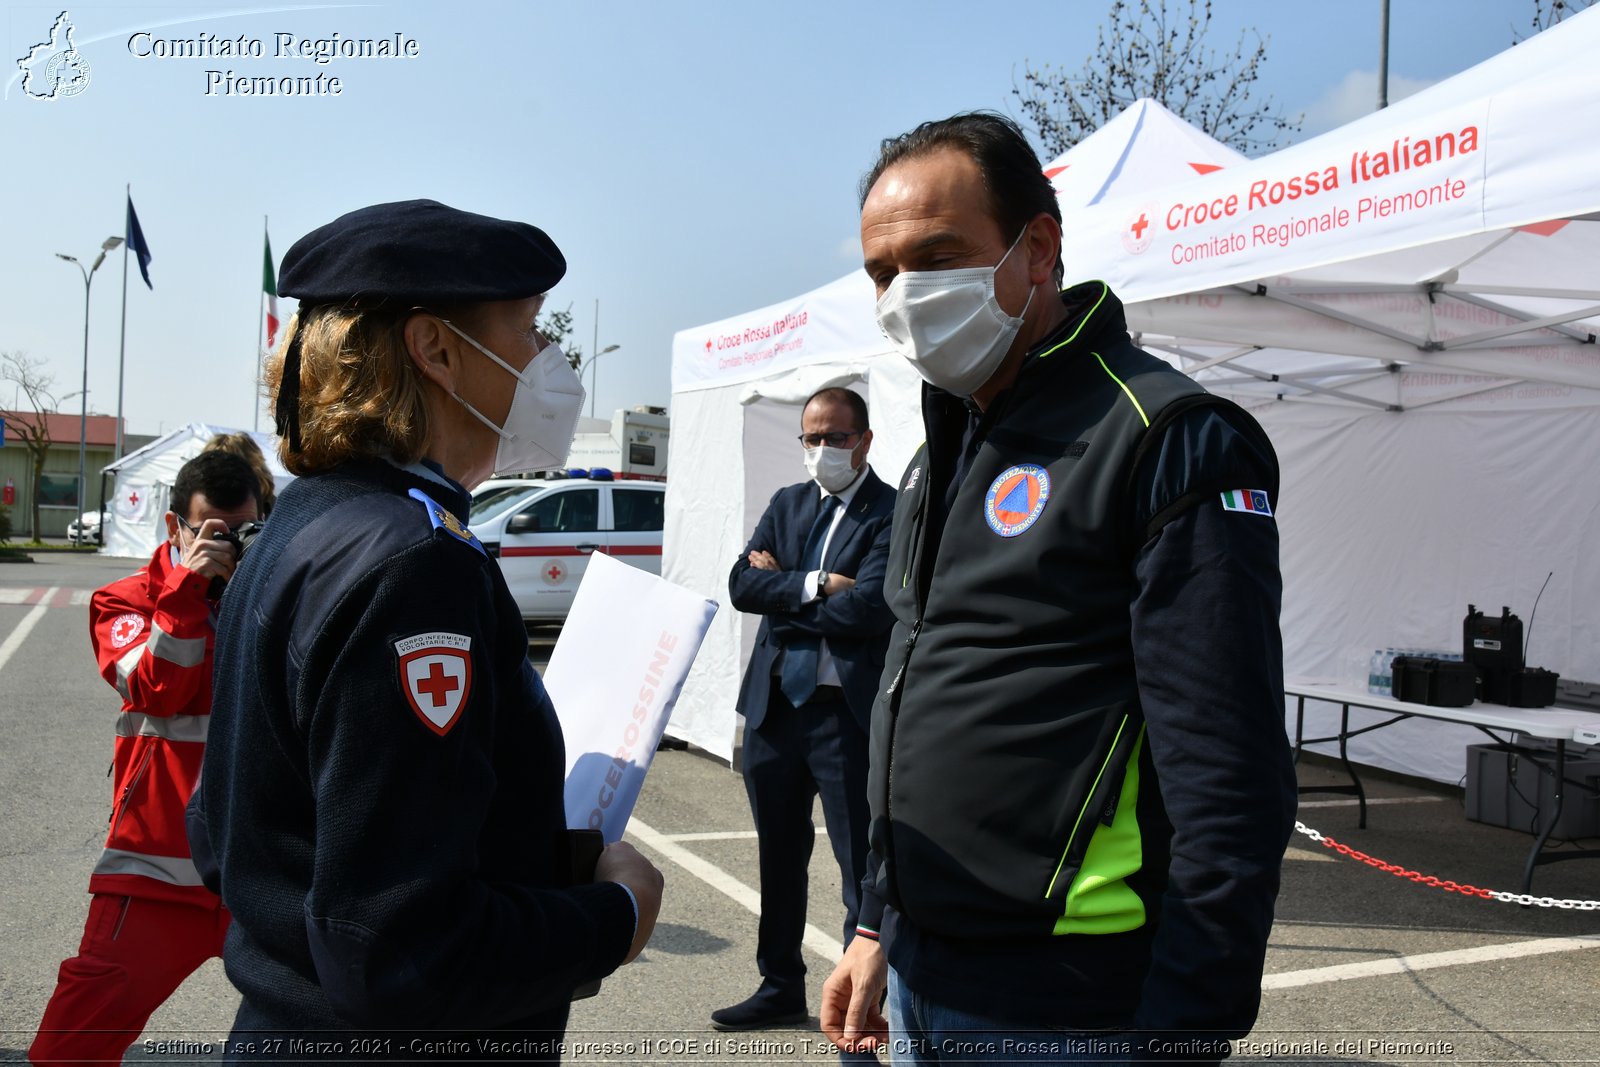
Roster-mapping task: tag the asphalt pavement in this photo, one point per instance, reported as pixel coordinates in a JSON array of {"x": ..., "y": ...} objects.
[{"x": 1365, "y": 966}]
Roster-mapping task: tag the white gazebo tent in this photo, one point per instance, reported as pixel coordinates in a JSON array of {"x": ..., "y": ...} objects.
[
  {"x": 1410, "y": 306},
  {"x": 737, "y": 385},
  {"x": 135, "y": 523}
]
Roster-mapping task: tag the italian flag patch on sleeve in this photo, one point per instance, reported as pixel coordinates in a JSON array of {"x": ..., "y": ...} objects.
[{"x": 1252, "y": 500}]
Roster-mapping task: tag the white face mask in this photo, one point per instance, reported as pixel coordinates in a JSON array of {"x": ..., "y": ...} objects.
[
  {"x": 538, "y": 430},
  {"x": 830, "y": 467},
  {"x": 949, "y": 324}
]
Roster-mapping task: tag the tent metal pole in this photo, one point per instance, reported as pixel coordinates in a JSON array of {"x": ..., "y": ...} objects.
[
  {"x": 1526, "y": 326},
  {"x": 1520, "y": 290},
  {"x": 1311, "y": 388},
  {"x": 1490, "y": 305},
  {"x": 1315, "y": 308}
]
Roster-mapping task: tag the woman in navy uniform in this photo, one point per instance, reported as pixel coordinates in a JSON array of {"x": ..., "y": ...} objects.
[{"x": 381, "y": 805}]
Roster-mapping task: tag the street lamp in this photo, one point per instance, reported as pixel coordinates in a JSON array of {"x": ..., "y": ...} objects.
[
  {"x": 590, "y": 364},
  {"x": 598, "y": 352},
  {"x": 83, "y": 409}
]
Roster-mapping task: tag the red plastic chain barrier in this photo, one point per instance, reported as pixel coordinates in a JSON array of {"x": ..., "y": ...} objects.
[{"x": 1442, "y": 883}]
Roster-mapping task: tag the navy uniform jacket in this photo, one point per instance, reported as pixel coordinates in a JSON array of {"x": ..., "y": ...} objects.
[
  {"x": 389, "y": 836},
  {"x": 855, "y": 623}
]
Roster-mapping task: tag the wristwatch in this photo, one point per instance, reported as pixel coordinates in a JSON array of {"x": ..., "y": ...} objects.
[{"x": 822, "y": 585}]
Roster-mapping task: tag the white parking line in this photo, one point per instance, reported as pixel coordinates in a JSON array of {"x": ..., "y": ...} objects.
[
  {"x": 715, "y": 877},
  {"x": 1307, "y": 854},
  {"x": 726, "y": 835},
  {"x": 1427, "y": 961},
  {"x": 1352, "y": 802},
  {"x": 668, "y": 846},
  {"x": 14, "y": 640},
  {"x": 15, "y": 596}
]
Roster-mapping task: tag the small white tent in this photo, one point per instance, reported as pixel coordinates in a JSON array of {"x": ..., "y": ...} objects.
[
  {"x": 135, "y": 522},
  {"x": 738, "y": 385}
]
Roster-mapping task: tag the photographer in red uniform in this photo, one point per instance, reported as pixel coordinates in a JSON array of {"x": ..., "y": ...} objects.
[{"x": 151, "y": 922}]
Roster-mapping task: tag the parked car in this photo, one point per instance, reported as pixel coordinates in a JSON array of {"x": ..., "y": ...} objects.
[
  {"x": 496, "y": 492},
  {"x": 545, "y": 535},
  {"x": 86, "y": 528}
]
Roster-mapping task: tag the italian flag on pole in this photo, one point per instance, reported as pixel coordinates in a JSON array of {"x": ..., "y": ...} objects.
[{"x": 269, "y": 288}]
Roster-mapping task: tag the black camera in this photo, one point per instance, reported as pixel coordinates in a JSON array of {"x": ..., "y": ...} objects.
[{"x": 240, "y": 540}]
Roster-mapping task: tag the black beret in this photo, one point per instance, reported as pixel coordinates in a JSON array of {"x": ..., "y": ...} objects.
[{"x": 420, "y": 250}]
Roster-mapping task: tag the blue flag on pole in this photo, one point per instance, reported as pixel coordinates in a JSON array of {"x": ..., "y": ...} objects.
[{"x": 137, "y": 246}]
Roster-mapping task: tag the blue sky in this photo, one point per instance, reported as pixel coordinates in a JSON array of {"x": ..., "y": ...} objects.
[{"x": 693, "y": 160}]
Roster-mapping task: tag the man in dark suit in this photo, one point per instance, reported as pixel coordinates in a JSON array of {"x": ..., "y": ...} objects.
[{"x": 814, "y": 570}]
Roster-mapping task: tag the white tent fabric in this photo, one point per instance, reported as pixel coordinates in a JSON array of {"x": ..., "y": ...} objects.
[
  {"x": 738, "y": 385},
  {"x": 1143, "y": 147},
  {"x": 739, "y": 436},
  {"x": 135, "y": 522},
  {"x": 1392, "y": 524},
  {"x": 1446, "y": 246},
  {"x": 1440, "y": 258}
]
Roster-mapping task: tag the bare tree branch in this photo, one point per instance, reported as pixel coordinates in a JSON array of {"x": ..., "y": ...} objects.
[
  {"x": 33, "y": 430},
  {"x": 1146, "y": 50},
  {"x": 1547, "y": 13}
]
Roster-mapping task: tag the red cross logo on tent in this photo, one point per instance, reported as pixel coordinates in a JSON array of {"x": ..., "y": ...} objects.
[
  {"x": 436, "y": 677},
  {"x": 1137, "y": 237},
  {"x": 133, "y": 498}
]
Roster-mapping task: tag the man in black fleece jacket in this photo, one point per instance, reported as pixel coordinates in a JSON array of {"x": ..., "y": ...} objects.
[{"x": 1080, "y": 783}]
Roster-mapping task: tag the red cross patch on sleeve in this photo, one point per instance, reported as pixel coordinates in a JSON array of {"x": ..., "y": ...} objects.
[
  {"x": 436, "y": 677},
  {"x": 125, "y": 629}
]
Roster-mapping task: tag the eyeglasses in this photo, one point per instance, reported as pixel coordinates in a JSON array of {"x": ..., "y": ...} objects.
[
  {"x": 834, "y": 439},
  {"x": 233, "y": 533}
]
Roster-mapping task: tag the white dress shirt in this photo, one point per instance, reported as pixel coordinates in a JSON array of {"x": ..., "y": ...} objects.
[{"x": 827, "y": 672}]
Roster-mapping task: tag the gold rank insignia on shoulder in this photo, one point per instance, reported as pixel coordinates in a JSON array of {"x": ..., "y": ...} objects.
[{"x": 442, "y": 519}]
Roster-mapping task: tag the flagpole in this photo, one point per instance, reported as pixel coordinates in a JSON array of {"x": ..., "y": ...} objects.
[
  {"x": 122, "y": 345},
  {"x": 261, "y": 324}
]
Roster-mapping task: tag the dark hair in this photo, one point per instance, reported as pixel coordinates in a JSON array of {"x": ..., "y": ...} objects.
[
  {"x": 1018, "y": 190},
  {"x": 225, "y": 480},
  {"x": 244, "y": 446},
  {"x": 838, "y": 394}
]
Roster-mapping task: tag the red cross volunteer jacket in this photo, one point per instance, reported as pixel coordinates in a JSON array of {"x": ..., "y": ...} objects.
[{"x": 152, "y": 636}]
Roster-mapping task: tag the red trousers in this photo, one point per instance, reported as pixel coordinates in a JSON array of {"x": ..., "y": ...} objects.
[{"x": 135, "y": 953}]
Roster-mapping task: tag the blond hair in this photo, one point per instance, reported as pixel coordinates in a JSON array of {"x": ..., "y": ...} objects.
[
  {"x": 360, "y": 393},
  {"x": 244, "y": 446}
]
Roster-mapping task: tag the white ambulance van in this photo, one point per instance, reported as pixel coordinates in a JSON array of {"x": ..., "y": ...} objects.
[{"x": 544, "y": 535}]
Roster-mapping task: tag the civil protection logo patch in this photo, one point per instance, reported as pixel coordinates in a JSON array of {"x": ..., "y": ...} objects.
[{"x": 1016, "y": 499}]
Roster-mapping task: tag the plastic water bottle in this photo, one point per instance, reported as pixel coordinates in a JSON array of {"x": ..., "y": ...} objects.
[
  {"x": 1386, "y": 673},
  {"x": 1374, "y": 669}
]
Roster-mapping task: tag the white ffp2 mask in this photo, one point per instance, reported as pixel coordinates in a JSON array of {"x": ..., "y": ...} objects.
[
  {"x": 538, "y": 430},
  {"x": 949, "y": 325}
]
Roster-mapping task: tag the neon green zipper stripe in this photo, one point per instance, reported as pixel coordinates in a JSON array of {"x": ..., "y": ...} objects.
[
  {"x": 1086, "y": 802},
  {"x": 1105, "y": 291},
  {"x": 1137, "y": 407}
]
